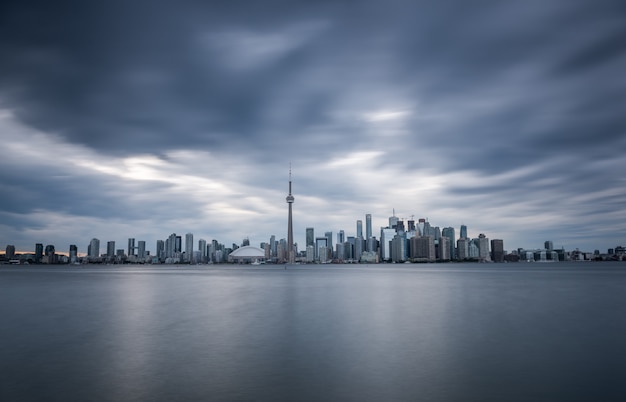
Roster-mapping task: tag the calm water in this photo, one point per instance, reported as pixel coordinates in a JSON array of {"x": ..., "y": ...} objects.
[{"x": 456, "y": 332}]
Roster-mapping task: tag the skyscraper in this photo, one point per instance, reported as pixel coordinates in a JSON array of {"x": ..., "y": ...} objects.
[
  {"x": 141, "y": 249},
  {"x": 188, "y": 246},
  {"x": 359, "y": 228},
  {"x": 449, "y": 233},
  {"x": 291, "y": 258},
  {"x": 38, "y": 252},
  {"x": 463, "y": 234},
  {"x": 310, "y": 237},
  {"x": 497, "y": 250},
  {"x": 94, "y": 248},
  {"x": 368, "y": 226},
  {"x": 111, "y": 248},
  {"x": 131, "y": 246},
  {"x": 73, "y": 253}
]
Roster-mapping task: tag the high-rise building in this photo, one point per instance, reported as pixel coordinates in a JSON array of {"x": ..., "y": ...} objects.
[
  {"x": 111, "y": 248},
  {"x": 368, "y": 226},
  {"x": 141, "y": 249},
  {"x": 463, "y": 233},
  {"x": 548, "y": 245},
  {"x": 160, "y": 249},
  {"x": 73, "y": 253},
  {"x": 393, "y": 220},
  {"x": 9, "y": 251},
  {"x": 443, "y": 248},
  {"x": 449, "y": 233},
  {"x": 94, "y": 248},
  {"x": 359, "y": 228},
  {"x": 50, "y": 254},
  {"x": 38, "y": 252},
  {"x": 203, "y": 251},
  {"x": 483, "y": 247},
  {"x": 131, "y": 246},
  {"x": 291, "y": 258},
  {"x": 497, "y": 250},
  {"x": 329, "y": 237},
  {"x": 386, "y": 235},
  {"x": 423, "y": 248},
  {"x": 341, "y": 237},
  {"x": 462, "y": 248},
  {"x": 310, "y": 237},
  {"x": 321, "y": 242},
  {"x": 189, "y": 247},
  {"x": 178, "y": 244}
]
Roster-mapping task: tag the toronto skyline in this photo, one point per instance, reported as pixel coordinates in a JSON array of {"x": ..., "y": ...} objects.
[{"x": 139, "y": 120}]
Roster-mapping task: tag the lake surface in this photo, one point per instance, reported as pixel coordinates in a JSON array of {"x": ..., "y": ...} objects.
[{"x": 435, "y": 332}]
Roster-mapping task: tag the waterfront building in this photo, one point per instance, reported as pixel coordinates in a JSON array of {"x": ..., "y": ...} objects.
[
  {"x": 358, "y": 248},
  {"x": 131, "y": 246},
  {"x": 423, "y": 248},
  {"x": 141, "y": 249},
  {"x": 386, "y": 235},
  {"x": 473, "y": 249},
  {"x": 111, "y": 249},
  {"x": 310, "y": 253},
  {"x": 329, "y": 243},
  {"x": 341, "y": 237},
  {"x": 497, "y": 250},
  {"x": 188, "y": 247},
  {"x": 462, "y": 248},
  {"x": 203, "y": 250},
  {"x": 73, "y": 253},
  {"x": 160, "y": 250},
  {"x": 449, "y": 233},
  {"x": 9, "y": 251},
  {"x": 548, "y": 245},
  {"x": 310, "y": 237},
  {"x": 359, "y": 228},
  {"x": 94, "y": 248},
  {"x": 398, "y": 248},
  {"x": 368, "y": 226},
  {"x": 319, "y": 243},
  {"x": 483, "y": 247},
  {"x": 38, "y": 252},
  {"x": 443, "y": 248}
]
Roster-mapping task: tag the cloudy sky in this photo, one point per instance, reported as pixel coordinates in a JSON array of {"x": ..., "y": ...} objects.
[{"x": 138, "y": 119}]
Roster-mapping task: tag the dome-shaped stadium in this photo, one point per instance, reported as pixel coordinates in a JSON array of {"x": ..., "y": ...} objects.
[{"x": 247, "y": 255}]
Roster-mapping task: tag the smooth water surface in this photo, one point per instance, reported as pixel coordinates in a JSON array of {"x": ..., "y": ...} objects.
[{"x": 435, "y": 332}]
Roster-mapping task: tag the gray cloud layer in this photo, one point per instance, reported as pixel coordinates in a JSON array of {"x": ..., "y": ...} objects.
[{"x": 469, "y": 93}]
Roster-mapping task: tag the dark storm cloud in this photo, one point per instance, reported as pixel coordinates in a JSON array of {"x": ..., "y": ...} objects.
[{"x": 120, "y": 76}]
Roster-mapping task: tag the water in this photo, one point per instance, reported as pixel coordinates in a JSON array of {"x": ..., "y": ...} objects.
[{"x": 455, "y": 332}]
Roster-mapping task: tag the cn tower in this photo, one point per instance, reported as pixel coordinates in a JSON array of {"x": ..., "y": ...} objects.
[{"x": 291, "y": 258}]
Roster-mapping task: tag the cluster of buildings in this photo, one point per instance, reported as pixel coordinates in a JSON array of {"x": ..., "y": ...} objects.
[{"x": 402, "y": 240}]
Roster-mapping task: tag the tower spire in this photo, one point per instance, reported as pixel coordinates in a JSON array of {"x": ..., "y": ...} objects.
[{"x": 291, "y": 256}]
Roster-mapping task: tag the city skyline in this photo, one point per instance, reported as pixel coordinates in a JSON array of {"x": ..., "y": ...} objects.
[{"x": 506, "y": 118}]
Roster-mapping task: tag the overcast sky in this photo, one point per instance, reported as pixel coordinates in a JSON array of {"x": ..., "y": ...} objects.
[{"x": 138, "y": 119}]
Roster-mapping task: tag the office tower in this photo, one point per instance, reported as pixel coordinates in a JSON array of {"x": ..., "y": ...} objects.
[
  {"x": 483, "y": 247},
  {"x": 188, "y": 247},
  {"x": 400, "y": 226},
  {"x": 473, "y": 249},
  {"x": 393, "y": 220},
  {"x": 141, "y": 249},
  {"x": 170, "y": 246},
  {"x": 368, "y": 226},
  {"x": 202, "y": 249},
  {"x": 341, "y": 237},
  {"x": 386, "y": 235},
  {"x": 497, "y": 250},
  {"x": 463, "y": 234},
  {"x": 310, "y": 253},
  {"x": 310, "y": 237},
  {"x": 372, "y": 244},
  {"x": 398, "y": 247},
  {"x": 111, "y": 248},
  {"x": 359, "y": 228},
  {"x": 291, "y": 258},
  {"x": 38, "y": 252},
  {"x": 245, "y": 242},
  {"x": 548, "y": 245},
  {"x": 94, "y": 248},
  {"x": 462, "y": 248},
  {"x": 443, "y": 248},
  {"x": 160, "y": 249},
  {"x": 421, "y": 223},
  {"x": 410, "y": 225},
  {"x": 273, "y": 246},
  {"x": 73, "y": 253},
  {"x": 178, "y": 244},
  {"x": 50, "y": 254},
  {"x": 329, "y": 237},
  {"x": 423, "y": 248},
  {"x": 321, "y": 242},
  {"x": 131, "y": 246},
  {"x": 449, "y": 233},
  {"x": 9, "y": 251}
]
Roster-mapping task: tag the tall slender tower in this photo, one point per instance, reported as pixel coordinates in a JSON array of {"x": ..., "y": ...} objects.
[{"x": 291, "y": 258}]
